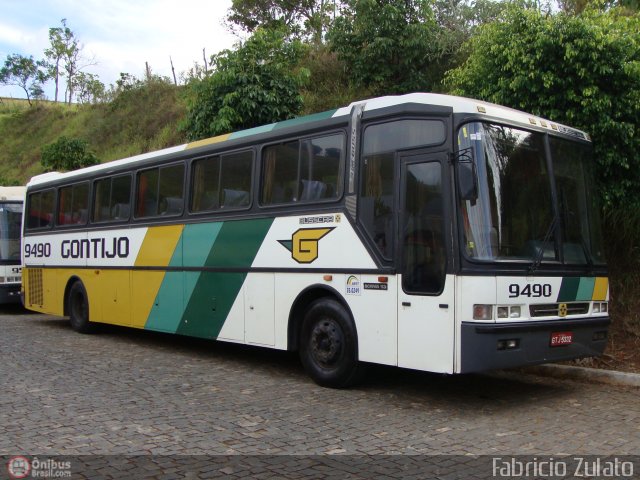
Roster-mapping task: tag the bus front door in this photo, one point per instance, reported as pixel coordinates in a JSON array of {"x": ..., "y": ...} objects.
[{"x": 426, "y": 326}]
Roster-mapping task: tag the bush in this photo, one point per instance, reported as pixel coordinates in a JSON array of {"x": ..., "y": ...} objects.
[
  {"x": 256, "y": 84},
  {"x": 67, "y": 154}
]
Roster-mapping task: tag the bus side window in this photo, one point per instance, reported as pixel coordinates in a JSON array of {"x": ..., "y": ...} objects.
[
  {"x": 236, "y": 179},
  {"x": 73, "y": 204},
  {"x": 280, "y": 173},
  {"x": 205, "y": 181},
  {"x": 40, "y": 209},
  {"x": 112, "y": 199},
  {"x": 160, "y": 191},
  {"x": 306, "y": 170}
]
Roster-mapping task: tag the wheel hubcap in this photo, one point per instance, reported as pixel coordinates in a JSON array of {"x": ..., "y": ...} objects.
[{"x": 326, "y": 342}]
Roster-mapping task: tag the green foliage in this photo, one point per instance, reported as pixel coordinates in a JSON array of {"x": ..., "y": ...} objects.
[
  {"x": 89, "y": 88},
  {"x": 62, "y": 43},
  {"x": 299, "y": 18},
  {"x": 389, "y": 46},
  {"x": 67, "y": 154},
  {"x": 256, "y": 84},
  {"x": 23, "y": 72},
  {"x": 580, "y": 70},
  {"x": 328, "y": 86}
]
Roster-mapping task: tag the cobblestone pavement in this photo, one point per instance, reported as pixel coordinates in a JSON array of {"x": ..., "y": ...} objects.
[{"x": 124, "y": 391}]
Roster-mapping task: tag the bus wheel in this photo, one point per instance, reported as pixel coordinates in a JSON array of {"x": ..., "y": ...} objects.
[
  {"x": 78, "y": 308},
  {"x": 329, "y": 345}
]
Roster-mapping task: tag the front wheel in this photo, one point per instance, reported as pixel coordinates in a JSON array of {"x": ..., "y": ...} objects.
[
  {"x": 78, "y": 308},
  {"x": 329, "y": 345}
]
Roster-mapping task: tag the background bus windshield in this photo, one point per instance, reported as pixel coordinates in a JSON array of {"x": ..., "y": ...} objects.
[
  {"x": 514, "y": 217},
  {"x": 10, "y": 219}
]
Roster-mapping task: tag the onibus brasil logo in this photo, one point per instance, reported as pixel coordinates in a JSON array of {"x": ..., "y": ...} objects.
[{"x": 304, "y": 243}]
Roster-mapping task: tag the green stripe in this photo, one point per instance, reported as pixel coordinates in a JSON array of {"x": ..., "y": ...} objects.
[
  {"x": 309, "y": 118},
  {"x": 252, "y": 131},
  {"x": 214, "y": 293},
  {"x": 192, "y": 250},
  {"x": 585, "y": 290},
  {"x": 569, "y": 289}
]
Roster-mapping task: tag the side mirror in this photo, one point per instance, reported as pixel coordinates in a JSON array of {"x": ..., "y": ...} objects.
[{"x": 467, "y": 177}]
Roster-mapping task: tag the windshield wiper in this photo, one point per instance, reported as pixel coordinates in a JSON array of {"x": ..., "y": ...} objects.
[
  {"x": 587, "y": 253},
  {"x": 540, "y": 254}
]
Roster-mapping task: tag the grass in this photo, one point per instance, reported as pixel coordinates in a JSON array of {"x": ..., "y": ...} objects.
[{"x": 138, "y": 121}]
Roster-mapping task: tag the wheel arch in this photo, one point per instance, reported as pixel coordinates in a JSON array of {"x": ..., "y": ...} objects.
[{"x": 300, "y": 305}]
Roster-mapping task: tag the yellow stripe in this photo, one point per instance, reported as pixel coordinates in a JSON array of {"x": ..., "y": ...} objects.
[
  {"x": 157, "y": 249},
  {"x": 158, "y": 246},
  {"x": 209, "y": 141},
  {"x": 601, "y": 289}
]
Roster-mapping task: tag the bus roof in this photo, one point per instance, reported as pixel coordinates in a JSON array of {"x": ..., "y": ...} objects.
[
  {"x": 457, "y": 104},
  {"x": 12, "y": 193}
]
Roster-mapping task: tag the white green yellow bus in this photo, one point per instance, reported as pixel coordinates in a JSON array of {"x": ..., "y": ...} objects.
[
  {"x": 424, "y": 231},
  {"x": 11, "y": 201}
]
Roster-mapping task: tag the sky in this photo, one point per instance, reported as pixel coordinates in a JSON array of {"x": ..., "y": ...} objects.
[{"x": 120, "y": 34}]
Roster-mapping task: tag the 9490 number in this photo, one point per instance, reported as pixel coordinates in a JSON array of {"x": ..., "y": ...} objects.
[{"x": 531, "y": 290}]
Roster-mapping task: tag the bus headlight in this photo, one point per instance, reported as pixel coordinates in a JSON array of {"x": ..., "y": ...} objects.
[
  {"x": 509, "y": 312},
  {"x": 482, "y": 312}
]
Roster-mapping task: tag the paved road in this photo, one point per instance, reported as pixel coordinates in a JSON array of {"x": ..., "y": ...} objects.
[{"x": 131, "y": 392}]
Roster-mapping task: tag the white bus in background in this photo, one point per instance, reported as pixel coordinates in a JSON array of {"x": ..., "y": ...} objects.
[{"x": 11, "y": 202}]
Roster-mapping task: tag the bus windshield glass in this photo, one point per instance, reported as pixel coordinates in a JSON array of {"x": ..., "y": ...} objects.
[
  {"x": 514, "y": 217},
  {"x": 10, "y": 220}
]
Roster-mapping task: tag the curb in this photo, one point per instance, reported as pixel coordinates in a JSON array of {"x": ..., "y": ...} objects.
[{"x": 584, "y": 373}]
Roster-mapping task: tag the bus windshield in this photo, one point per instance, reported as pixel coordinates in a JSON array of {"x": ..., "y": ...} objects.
[
  {"x": 10, "y": 220},
  {"x": 514, "y": 217}
]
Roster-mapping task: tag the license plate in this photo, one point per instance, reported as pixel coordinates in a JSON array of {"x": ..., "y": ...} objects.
[{"x": 561, "y": 338}]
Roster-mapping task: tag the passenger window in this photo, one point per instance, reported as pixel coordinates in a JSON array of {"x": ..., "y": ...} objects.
[
  {"x": 305, "y": 170},
  {"x": 73, "y": 205},
  {"x": 40, "y": 209},
  {"x": 280, "y": 170},
  {"x": 112, "y": 199},
  {"x": 160, "y": 191},
  {"x": 222, "y": 182}
]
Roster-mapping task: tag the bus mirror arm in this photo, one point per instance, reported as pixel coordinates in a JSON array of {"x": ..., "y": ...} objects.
[{"x": 466, "y": 174}]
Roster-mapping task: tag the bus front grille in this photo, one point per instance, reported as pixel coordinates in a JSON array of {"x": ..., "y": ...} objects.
[
  {"x": 36, "y": 296},
  {"x": 554, "y": 309}
]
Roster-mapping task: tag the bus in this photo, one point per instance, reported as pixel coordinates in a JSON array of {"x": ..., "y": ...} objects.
[
  {"x": 11, "y": 201},
  {"x": 423, "y": 231}
]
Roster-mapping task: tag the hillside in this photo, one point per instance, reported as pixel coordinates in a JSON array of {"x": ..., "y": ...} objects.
[{"x": 137, "y": 121}]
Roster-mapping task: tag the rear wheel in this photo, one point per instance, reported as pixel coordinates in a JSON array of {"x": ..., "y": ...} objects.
[
  {"x": 329, "y": 345},
  {"x": 78, "y": 308}
]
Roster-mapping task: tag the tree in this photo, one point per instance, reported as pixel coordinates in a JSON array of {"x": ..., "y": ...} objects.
[
  {"x": 580, "y": 70},
  {"x": 23, "y": 72},
  {"x": 67, "y": 154},
  {"x": 66, "y": 58},
  {"x": 398, "y": 46},
  {"x": 306, "y": 18},
  {"x": 62, "y": 40},
  {"x": 89, "y": 88},
  {"x": 387, "y": 45},
  {"x": 255, "y": 84}
]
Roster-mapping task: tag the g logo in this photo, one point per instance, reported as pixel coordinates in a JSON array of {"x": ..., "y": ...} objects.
[
  {"x": 304, "y": 243},
  {"x": 562, "y": 310}
]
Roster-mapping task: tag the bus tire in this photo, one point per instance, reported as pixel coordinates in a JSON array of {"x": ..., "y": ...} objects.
[
  {"x": 78, "y": 308},
  {"x": 329, "y": 345}
]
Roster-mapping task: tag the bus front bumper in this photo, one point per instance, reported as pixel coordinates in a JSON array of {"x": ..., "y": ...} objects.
[
  {"x": 504, "y": 345},
  {"x": 10, "y": 293}
]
